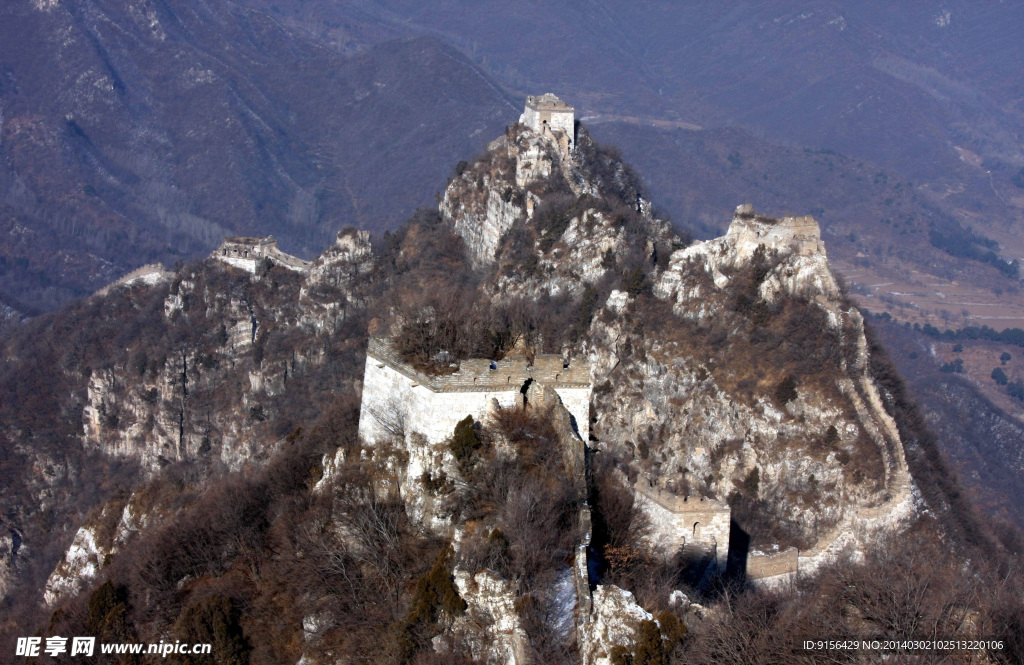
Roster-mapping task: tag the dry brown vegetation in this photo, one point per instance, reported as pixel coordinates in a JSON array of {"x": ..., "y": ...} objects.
[
  {"x": 754, "y": 349},
  {"x": 524, "y": 513},
  {"x": 257, "y": 551},
  {"x": 242, "y": 559}
]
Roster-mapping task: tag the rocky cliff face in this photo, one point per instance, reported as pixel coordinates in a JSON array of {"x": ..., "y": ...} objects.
[
  {"x": 209, "y": 397},
  {"x": 550, "y": 224},
  {"x": 10, "y": 544},
  {"x": 817, "y": 439},
  {"x": 732, "y": 368},
  {"x": 731, "y": 371},
  {"x": 208, "y": 366}
]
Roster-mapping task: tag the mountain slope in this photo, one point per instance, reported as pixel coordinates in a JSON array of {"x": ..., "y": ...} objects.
[
  {"x": 899, "y": 87},
  {"x": 913, "y": 112},
  {"x": 730, "y": 372},
  {"x": 135, "y": 132}
]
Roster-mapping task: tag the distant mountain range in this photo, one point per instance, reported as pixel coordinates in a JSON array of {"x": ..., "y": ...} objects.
[{"x": 134, "y": 132}]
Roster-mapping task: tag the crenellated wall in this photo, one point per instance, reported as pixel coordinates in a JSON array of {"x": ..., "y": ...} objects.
[
  {"x": 772, "y": 569},
  {"x": 548, "y": 112},
  {"x": 244, "y": 253},
  {"x": 695, "y": 523},
  {"x": 397, "y": 397}
]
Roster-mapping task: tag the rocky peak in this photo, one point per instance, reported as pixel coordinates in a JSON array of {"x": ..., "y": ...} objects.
[
  {"x": 486, "y": 198},
  {"x": 788, "y": 252},
  {"x": 552, "y": 221},
  {"x": 794, "y": 235}
]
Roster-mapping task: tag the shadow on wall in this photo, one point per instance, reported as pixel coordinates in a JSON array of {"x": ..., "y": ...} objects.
[{"x": 739, "y": 547}]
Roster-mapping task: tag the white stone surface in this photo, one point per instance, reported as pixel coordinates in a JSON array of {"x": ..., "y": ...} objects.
[
  {"x": 490, "y": 598},
  {"x": 391, "y": 400},
  {"x": 248, "y": 265},
  {"x": 81, "y": 563},
  {"x": 548, "y": 111},
  {"x": 482, "y": 227},
  {"x": 614, "y": 621},
  {"x": 679, "y": 523}
]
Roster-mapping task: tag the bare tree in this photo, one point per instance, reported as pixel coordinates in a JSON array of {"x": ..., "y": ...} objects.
[{"x": 391, "y": 416}]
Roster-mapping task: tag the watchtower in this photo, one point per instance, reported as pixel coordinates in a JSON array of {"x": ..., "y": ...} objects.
[
  {"x": 550, "y": 116},
  {"x": 244, "y": 252},
  {"x": 691, "y": 525}
]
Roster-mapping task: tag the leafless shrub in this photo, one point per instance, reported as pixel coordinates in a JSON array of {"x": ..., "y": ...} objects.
[{"x": 390, "y": 415}]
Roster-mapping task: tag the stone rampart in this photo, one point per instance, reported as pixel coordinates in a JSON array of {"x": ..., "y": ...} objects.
[
  {"x": 549, "y": 116},
  {"x": 771, "y": 569},
  {"x": 148, "y": 274},
  {"x": 489, "y": 375},
  {"x": 802, "y": 235},
  {"x": 548, "y": 111},
  {"x": 399, "y": 398},
  {"x": 245, "y": 253},
  {"x": 685, "y": 522}
]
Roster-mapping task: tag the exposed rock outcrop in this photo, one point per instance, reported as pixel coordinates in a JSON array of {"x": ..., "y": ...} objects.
[
  {"x": 614, "y": 622},
  {"x": 164, "y": 406},
  {"x": 726, "y": 379},
  {"x": 733, "y": 421}
]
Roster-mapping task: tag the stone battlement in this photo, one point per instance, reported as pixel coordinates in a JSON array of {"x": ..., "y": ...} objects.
[
  {"x": 772, "y": 568},
  {"x": 148, "y": 274},
  {"x": 549, "y": 116},
  {"x": 480, "y": 375},
  {"x": 680, "y": 522},
  {"x": 689, "y": 505},
  {"x": 245, "y": 252},
  {"x": 398, "y": 397}
]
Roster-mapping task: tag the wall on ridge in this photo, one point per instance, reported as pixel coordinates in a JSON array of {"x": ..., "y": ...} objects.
[{"x": 397, "y": 398}]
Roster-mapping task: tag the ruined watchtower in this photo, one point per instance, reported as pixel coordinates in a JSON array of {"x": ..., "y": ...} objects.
[{"x": 550, "y": 116}]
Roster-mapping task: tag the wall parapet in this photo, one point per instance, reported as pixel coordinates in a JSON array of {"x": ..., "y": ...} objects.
[
  {"x": 673, "y": 503},
  {"x": 761, "y": 566},
  {"x": 244, "y": 252},
  {"x": 477, "y": 375},
  {"x": 150, "y": 273},
  {"x": 693, "y": 525}
]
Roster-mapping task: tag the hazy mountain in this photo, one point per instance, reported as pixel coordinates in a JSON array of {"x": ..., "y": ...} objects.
[
  {"x": 134, "y": 132},
  {"x": 897, "y": 85},
  {"x": 923, "y": 98}
]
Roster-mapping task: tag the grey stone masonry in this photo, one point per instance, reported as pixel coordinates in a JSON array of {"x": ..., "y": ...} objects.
[
  {"x": 244, "y": 252},
  {"x": 679, "y": 521},
  {"x": 550, "y": 117},
  {"x": 481, "y": 375},
  {"x": 398, "y": 397}
]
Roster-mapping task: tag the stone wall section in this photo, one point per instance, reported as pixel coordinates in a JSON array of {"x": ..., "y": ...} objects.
[
  {"x": 801, "y": 235},
  {"x": 685, "y": 522},
  {"x": 397, "y": 397},
  {"x": 550, "y": 117},
  {"x": 245, "y": 253},
  {"x": 150, "y": 273},
  {"x": 548, "y": 111},
  {"x": 771, "y": 570}
]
